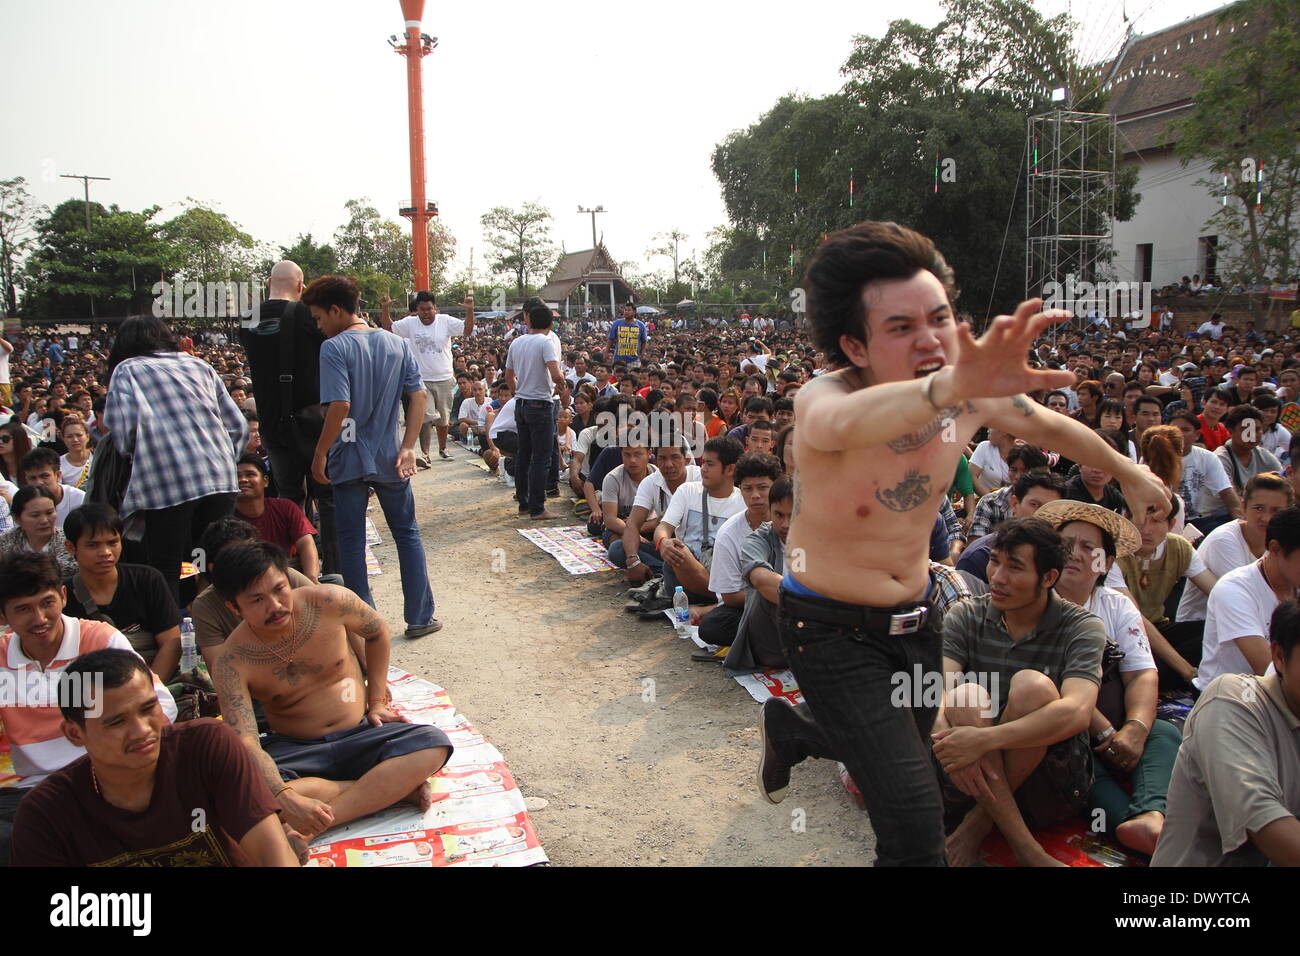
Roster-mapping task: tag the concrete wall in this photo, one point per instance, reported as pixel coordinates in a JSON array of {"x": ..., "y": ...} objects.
[{"x": 1172, "y": 216}]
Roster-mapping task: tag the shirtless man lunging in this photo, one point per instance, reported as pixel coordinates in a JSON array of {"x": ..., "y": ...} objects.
[
  {"x": 877, "y": 444},
  {"x": 336, "y": 751}
]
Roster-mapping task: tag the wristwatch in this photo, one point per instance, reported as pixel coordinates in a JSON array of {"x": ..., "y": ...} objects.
[{"x": 1104, "y": 736}]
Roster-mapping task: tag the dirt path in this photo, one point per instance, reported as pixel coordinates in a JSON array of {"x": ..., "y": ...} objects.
[{"x": 644, "y": 756}]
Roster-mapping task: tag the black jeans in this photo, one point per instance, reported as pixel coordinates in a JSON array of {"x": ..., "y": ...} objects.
[
  {"x": 170, "y": 534},
  {"x": 844, "y": 667},
  {"x": 293, "y": 482},
  {"x": 535, "y": 421}
]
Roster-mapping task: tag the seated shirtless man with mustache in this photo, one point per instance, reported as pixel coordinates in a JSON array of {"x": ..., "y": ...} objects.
[
  {"x": 877, "y": 444},
  {"x": 336, "y": 751}
]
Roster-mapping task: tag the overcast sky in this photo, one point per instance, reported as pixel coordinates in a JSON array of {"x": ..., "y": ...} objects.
[{"x": 278, "y": 111}]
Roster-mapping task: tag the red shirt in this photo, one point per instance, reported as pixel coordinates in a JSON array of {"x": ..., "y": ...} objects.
[
  {"x": 1213, "y": 437},
  {"x": 282, "y": 522}
]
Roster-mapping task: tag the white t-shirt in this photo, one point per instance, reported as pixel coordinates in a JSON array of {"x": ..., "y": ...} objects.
[
  {"x": 70, "y": 474},
  {"x": 473, "y": 411},
  {"x": 1224, "y": 549},
  {"x": 1123, "y": 626},
  {"x": 72, "y": 498},
  {"x": 1240, "y": 605},
  {"x": 724, "y": 573},
  {"x": 1213, "y": 331},
  {"x": 1203, "y": 479},
  {"x": 431, "y": 344},
  {"x": 4, "y": 366},
  {"x": 505, "y": 420},
  {"x": 653, "y": 495},
  {"x": 686, "y": 513},
  {"x": 527, "y": 358},
  {"x": 995, "y": 471}
]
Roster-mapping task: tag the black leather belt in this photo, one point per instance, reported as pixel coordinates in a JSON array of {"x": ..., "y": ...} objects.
[{"x": 897, "y": 621}]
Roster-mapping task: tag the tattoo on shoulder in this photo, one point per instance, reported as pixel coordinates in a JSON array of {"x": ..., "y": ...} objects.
[
  {"x": 912, "y": 492},
  {"x": 922, "y": 437},
  {"x": 1024, "y": 404}
]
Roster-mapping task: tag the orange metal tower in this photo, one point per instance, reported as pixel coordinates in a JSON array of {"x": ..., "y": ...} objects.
[{"x": 417, "y": 46}]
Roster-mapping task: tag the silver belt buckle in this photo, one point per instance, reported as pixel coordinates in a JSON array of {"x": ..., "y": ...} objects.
[{"x": 909, "y": 623}]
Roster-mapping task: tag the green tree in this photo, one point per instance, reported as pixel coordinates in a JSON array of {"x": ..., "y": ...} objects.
[
  {"x": 314, "y": 260},
  {"x": 1244, "y": 118},
  {"x": 106, "y": 270},
  {"x": 211, "y": 247},
  {"x": 519, "y": 240},
  {"x": 953, "y": 96},
  {"x": 368, "y": 242},
  {"x": 18, "y": 214}
]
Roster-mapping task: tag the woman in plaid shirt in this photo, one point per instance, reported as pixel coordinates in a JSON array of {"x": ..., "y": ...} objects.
[{"x": 171, "y": 414}]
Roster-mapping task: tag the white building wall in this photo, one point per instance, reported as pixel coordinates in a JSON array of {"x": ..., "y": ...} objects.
[{"x": 1172, "y": 216}]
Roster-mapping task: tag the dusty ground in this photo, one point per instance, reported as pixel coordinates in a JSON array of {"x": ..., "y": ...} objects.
[{"x": 557, "y": 675}]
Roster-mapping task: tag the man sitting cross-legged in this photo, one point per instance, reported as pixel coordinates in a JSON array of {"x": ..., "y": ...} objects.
[
  {"x": 148, "y": 792},
  {"x": 337, "y": 742},
  {"x": 1021, "y": 670}
]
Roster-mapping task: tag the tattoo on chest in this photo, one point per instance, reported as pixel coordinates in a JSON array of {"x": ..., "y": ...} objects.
[
  {"x": 911, "y": 492},
  {"x": 291, "y": 673},
  {"x": 308, "y": 615},
  {"x": 921, "y": 438}
]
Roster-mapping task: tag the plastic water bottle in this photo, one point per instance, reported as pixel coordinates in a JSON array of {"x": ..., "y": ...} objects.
[
  {"x": 189, "y": 650},
  {"x": 681, "y": 610}
]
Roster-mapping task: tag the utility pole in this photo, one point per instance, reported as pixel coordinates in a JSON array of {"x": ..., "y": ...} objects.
[
  {"x": 420, "y": 211},
  {"x": 85, "y": 181},
  {"x": 583, "y": 211}
]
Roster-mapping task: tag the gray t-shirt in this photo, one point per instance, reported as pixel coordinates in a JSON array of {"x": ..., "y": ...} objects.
[
  {"x": 1237, "y": 771},
  {"x": 527, "y": 358},
  {"x": 619, "y": 486}
]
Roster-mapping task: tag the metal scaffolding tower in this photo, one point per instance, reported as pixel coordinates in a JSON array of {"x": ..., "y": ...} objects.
[{"x": 1071, "y": 198}]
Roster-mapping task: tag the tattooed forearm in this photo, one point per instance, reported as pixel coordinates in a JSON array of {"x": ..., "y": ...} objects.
[
  {"x": 912, "y": 492},
  {"x": 920, "y": 438},
  {"x": 1024, "y": 404}
]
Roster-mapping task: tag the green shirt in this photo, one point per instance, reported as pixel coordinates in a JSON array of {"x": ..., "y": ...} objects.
[
  {"x": 1068, "y": 642},
  {"x": 961, "y": 482}
]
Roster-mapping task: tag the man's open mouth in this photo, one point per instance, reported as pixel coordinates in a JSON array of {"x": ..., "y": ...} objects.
[{"x": 928, "y": 368}]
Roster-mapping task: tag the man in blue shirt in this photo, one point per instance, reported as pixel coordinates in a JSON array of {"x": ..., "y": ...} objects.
[
  {"x": 363, "y": 373},
  {"x": 627, "y": 337}
]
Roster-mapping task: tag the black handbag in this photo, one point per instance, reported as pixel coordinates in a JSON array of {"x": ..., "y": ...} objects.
[
  {"x": 110, "y": 473},
  {"x": 301, "y": 428},
  {"x": 1110, "y": 695}
]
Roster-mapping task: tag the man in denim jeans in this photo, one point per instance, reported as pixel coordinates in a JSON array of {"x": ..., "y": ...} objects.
[
  {"x": 364, "y": 372},
  {"x": 877, "y": 444},
  {"x": 533, "y": 371}
]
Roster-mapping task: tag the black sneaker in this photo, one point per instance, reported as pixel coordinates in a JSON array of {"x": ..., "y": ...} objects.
[
  {"x": 653, "y": 609},
  {"x": 773, "y": 772},
  {"x": 432, "y": 627}
]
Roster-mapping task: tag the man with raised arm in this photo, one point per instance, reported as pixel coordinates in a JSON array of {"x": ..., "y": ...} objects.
[
  {"x": 877, "y": 444},
  {"x": 336, "y": 750}
]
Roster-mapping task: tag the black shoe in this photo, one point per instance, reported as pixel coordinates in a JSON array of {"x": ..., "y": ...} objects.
[
  {"x": 552, "y": 492},
  {"x": 653, "y": 609},
  {"x": 432, "y": 627},
  {"x": 773, "y": 771}
]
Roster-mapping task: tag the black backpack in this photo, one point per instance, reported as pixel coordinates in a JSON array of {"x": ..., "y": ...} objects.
[{"x": 110, "y": 473}]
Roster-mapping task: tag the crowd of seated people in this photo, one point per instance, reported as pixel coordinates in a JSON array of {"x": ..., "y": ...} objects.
[{"x": 1113, "y": 660}]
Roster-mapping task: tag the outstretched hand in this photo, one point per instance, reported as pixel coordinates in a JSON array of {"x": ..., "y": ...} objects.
[{"x": 995, "y": 365}]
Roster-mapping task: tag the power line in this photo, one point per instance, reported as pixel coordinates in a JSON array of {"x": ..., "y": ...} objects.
[{"x": 85, "y": 181}]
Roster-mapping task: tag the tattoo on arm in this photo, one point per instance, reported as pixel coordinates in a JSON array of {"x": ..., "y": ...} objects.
[
  {"x": 1024, "y": 404},
  {"x": 920, "y": 438},
  {"x": 237, "y": 710},
  {"x": 912, "y": 492}
]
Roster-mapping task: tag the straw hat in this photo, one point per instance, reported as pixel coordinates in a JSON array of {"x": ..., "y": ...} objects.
[{"x": 1124, "y": 533}]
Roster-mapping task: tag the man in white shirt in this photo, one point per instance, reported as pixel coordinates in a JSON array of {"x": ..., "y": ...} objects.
[
  {"x": 1241, "y": 604},
  {"x": 1212, "y": 328},
  {"x": 470, "y": 418},
  {"x": 533, "y": 371},
  {"x": 685, "y": 538},
  {"x": 430, "y": 333},
  {"x": 40, "y": 466},
  {"x": 653, "y": 496},
  {"x": 754, "y": 476}
]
